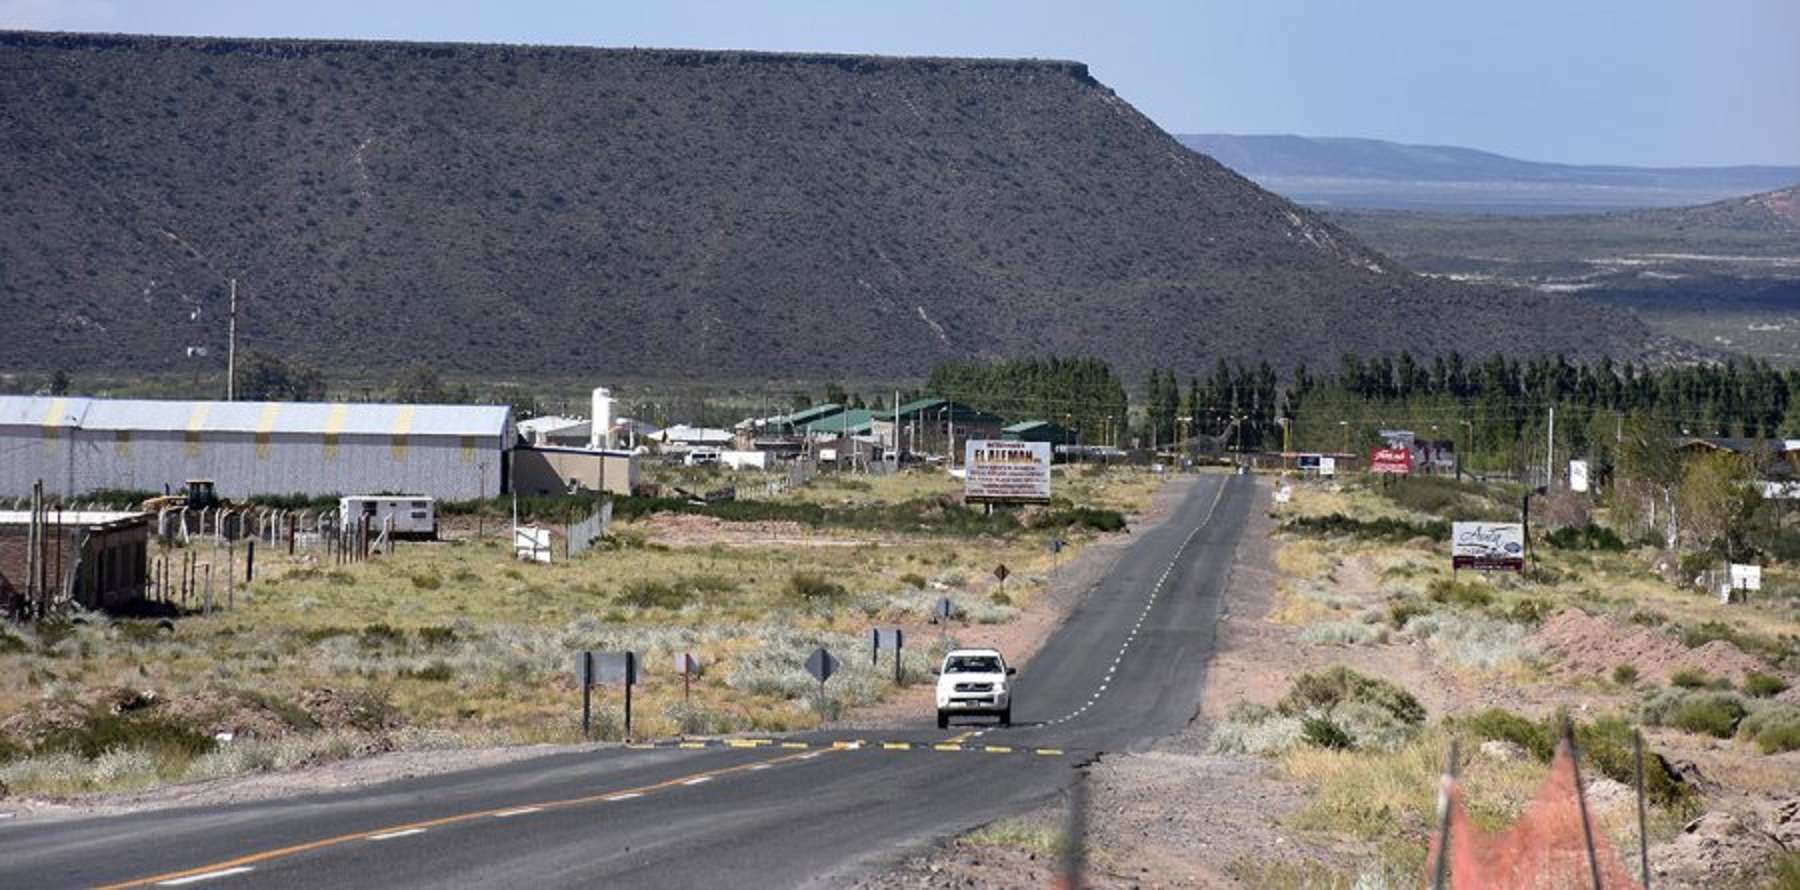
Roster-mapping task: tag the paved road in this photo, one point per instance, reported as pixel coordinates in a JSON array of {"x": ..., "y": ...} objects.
[{"x": 1125, "y": 669}]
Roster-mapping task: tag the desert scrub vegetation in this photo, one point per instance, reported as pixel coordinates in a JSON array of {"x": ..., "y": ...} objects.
[
  {"x": 1386, "y": 529},
  {"x": 1774, "y": 726},
  {"x": 458, "y": 643},
  {"x": 1334, "y": 707}
]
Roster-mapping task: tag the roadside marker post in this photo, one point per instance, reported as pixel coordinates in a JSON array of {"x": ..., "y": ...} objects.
[
  {"x": 890, "y": 638},
  {"x": 687, "y": 664},
  {"x": 611, "y": 668}
]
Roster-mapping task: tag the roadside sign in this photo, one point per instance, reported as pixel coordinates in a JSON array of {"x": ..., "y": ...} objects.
[
  {"x": 1398, "y": 461},
  {"x": 945, "y": 609},
  {"x": 687, "y": 664},
  {"x": 532, "y": 544},
  {"x": 1578, "y": 475},
  {"x": 822, "y": 664},
  {"x": 1057, "y": 545},
  {"x": 1487, "y": 546},
  {"x": 1001, "y": 572},
  {"x": 888, "y": 638},
  {"x": 1746, "y": 576},
  {"x": 604, "y": 668}
]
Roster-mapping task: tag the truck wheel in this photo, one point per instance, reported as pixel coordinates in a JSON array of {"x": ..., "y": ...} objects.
[
  {"x": 1006, "y": 717},
  {"x": 943, "y": 720}
]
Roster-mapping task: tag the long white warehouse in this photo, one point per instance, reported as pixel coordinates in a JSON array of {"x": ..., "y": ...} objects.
[{"x": 80, "y": 445}]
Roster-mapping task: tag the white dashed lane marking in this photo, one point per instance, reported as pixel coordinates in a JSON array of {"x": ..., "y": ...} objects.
[
  {"x": 205, "y": 876},
  {"x": 404, "y": 832},
  {"x": 1149, "y": 602}
]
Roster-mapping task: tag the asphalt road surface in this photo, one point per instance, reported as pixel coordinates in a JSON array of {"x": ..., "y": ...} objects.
[{"x": 1124, "y": 669}]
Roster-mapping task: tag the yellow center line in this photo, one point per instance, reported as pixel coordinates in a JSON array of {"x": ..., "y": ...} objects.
[{"x": 341, "y": 839}]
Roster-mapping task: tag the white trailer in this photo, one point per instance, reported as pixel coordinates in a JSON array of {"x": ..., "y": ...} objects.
[{"x": 412, "y": 516}]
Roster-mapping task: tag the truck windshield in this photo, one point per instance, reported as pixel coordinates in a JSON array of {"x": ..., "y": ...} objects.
[{"x": 974, "y": 664}]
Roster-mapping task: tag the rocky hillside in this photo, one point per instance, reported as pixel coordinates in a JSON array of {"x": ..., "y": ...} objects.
[{"x": 675, "y": 213}]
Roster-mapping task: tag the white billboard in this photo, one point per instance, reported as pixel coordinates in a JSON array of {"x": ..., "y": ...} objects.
[
  {"x": 1578, "y": 475},
  {"x": 1487, "y": 546},
  {"x": 1001, "y": 472}
]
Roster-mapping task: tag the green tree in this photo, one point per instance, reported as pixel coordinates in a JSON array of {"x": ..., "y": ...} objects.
[
  {"x": 1718, "y": 501},
  {"x": 419, "y": 383},
  {"x": 264, "y": 376}
]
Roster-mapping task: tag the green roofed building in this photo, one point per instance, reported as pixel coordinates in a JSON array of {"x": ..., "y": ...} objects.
[
  {"x": 1038, "y": 431},
  {"x": 934, "y": 427}
]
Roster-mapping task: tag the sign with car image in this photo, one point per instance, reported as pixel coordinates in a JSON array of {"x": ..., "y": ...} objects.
[{"x": 1487, "y": 546}]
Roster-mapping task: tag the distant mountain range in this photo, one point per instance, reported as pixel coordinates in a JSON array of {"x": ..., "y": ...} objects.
[
  {"x": 505, "y": 210},
  {"x": 1372, "y": 174}
]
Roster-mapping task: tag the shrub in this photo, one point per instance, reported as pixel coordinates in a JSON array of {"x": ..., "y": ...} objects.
[
  {"x": 1406, "y": 610},
  {"x": 1712, "y": 713},
  {"x": 1625, "y": 675},
  {"x": 1709, "y": 711},
  {"x": 1606, "y": 747},
  {"x": 1760, "y": 685},
  {"x": 102, "y": 731},
  {"x": 1587, "y": 537},
  {"x": 1691, "y": 678},
  {"x": 1344, "y": 633},
  {"x": 427, "y": 581},
  {"x": 1323, "y": 691},
  {"x": 811, "y": 588},
  {"x": 914, "y": 580},
  {"x": 379, "y": 635},
  {"x": 1466, "y": 594},
  {"x": 437, "y": 671},
  {"x": 436, "y": 635},
  {"x": 649, "y": 593},
  {"x": 1424, "y": 494},
  {"x": 1778, "y": 732},
  {"x": 1530, "y": 610},
  {"x": 1499, "y": 725},
  {"x": 1397, "y": 531},
  {"x": 1322, "y": 732}
]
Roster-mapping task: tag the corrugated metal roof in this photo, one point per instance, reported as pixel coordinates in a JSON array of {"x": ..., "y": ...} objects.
[
  {"x": 255, "y": 417},
  {"x": 856, "y": 420}
]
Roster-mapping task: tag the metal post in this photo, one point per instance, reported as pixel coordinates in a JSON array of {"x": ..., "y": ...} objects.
[
  {"x": 1587, "y": 827},
  {"x": 1440, "y": 870},
  {"x": 1637, "y": 747},
  {"x": 587, "y": 694}
]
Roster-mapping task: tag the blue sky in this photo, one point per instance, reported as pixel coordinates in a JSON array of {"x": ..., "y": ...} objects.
[{"x": 1646, "y": 82}]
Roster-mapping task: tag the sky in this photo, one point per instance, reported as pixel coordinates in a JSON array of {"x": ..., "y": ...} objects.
[{"x": 1636, "y": 82}]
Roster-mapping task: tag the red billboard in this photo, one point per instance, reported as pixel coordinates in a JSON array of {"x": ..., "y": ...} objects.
[{"x": 1390, "y": 460}]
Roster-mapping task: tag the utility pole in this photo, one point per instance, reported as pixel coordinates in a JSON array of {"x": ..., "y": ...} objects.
[
  {"x": 1550, "y": 450},
  {"x": 231, "y": 350}
]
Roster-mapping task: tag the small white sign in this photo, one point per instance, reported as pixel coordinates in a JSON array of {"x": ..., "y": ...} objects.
[
  {"x": 1578, "y": 475},
  {"x": 532, "y": 543},
  {"x": 1283, "y": 494},
  {"x": 1745, "y": 576},
  {"x": 1327, "y": 466}
]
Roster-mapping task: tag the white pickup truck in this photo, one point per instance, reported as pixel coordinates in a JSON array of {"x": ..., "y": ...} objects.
[{"x": 974, "y": 681}]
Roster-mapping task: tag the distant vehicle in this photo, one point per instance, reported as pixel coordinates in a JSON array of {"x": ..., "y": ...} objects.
[
  {"x": 701, "y": 457},
  {"x": 197, "y": 494},
  {"x": 404, "y": 516},
  {"x": 974, "y": 682}
]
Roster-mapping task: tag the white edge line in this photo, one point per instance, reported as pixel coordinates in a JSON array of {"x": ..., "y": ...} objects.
[
  {"x": 394, "y": 834},
  {"x": 205, "y": 876},
  {"x": 626, "y": 796},
  {"x": 506, "y": 814},
  {"x": 697, "y": 780},
  {"x": 760, "y": 766}
]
